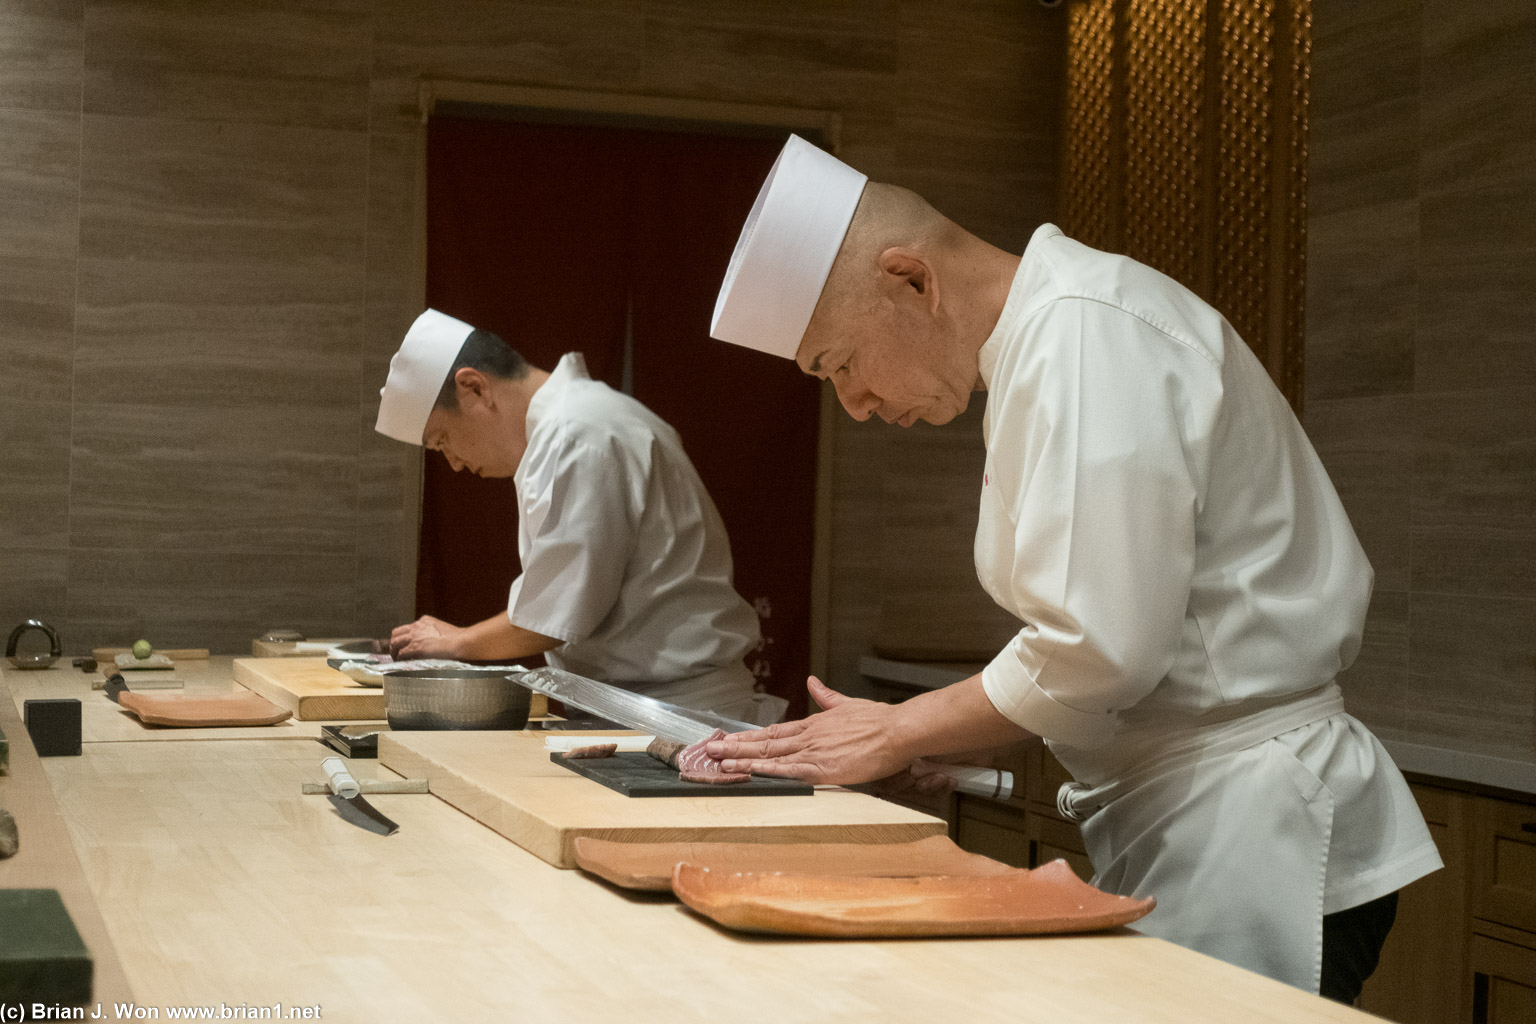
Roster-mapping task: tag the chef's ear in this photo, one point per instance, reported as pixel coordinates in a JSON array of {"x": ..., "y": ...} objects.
[
  {"x": 906, "y": 271},
  {"x": 471, "y": 382}
]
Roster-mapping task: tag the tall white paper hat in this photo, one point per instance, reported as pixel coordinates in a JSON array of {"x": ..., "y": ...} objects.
[
  {"x": 786, "y": 250},
  {"x": 416, "y": 375}
]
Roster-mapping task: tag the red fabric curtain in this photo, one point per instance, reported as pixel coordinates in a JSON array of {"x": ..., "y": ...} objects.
[
  {"x": 553, "y": 236},
  {"x": 749, "y": 420},
  {"x": 527, "y": 229}
]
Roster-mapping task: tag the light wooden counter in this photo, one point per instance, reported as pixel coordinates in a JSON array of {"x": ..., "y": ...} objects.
[
  {"x": 218, "y": 883},
  {"x": 102, "y": 721}
]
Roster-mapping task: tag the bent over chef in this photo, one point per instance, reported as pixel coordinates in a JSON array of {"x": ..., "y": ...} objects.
[
  {"x": 1186, "y": 581},
  {"x": 626, "y": 567}
]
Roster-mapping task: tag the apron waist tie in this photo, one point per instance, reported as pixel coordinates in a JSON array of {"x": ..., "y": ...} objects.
[{"x": 1076, "y": 800}]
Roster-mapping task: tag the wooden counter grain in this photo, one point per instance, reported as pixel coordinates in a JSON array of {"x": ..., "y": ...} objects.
[
  {"x": 219, "y": 883},
  {"x": 102, "y": 721},
  {"x": 45, "y": 858}
]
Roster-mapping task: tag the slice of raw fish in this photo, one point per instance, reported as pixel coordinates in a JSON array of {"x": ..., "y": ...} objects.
[
  {"x": 595, "y": 750},
  {"x": 695, "y": 765},
  {"x": 716, "y": 778},
  {"x": 665, "y": 750}
]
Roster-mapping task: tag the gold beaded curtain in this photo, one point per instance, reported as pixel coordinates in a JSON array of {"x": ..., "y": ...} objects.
[{"x": 1185, "y": 147}]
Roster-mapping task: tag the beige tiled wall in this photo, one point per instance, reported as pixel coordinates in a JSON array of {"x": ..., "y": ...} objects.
[
  {"x": 1421, "y": 352},
  {"x": 205, "y": 261}
]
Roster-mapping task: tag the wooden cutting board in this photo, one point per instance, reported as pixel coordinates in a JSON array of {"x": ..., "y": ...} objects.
[
  {"x": 311, "y": 689},
  {"x": 506, "y": 781},
  {"x": 648, "y": 866}
]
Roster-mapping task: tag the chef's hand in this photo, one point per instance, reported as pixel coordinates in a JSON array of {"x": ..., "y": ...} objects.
[
  {"x": 851, "y": 741},
  {"x": 425, "y": 638}
]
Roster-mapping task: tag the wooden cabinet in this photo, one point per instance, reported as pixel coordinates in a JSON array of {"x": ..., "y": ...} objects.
[
  {"x": 1055, "y": 839},
  {"x": 994, "y": 829},
  {"x": 1420, "y": 977},
  {"x": 1464, "y": 946},
  {"x": 1504, "y": 863},
  {"x": 1503, "y": 981},
  {"x": 1026, "y": 830}
]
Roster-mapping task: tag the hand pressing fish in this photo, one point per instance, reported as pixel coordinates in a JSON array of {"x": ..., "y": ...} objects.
[{"x": 693, "y": 763}]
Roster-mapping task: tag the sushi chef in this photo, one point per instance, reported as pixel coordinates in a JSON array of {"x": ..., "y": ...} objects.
[
  {"x": 1186, "y": 582},
  {"x": 626, "y": 564}
]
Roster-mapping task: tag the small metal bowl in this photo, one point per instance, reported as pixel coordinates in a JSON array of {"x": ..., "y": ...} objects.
[
  {"x": 455, "y": 698},
  {"x": 55, "y": 648}
]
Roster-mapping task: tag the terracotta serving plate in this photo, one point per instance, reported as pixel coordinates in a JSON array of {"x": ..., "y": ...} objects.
[
  {"x": 1049, "y": 899},
  {"x": 649, "y": 865},
  {"x": 192, "y": 711}
]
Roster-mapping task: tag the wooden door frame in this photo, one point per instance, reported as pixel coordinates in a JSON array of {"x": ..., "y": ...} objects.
[{"x": 635, "y": 111}]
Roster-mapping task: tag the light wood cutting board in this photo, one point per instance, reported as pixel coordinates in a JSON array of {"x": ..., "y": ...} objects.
[
  {"x": 506, "y": 781},
  {"x": 311, "y": 689}
]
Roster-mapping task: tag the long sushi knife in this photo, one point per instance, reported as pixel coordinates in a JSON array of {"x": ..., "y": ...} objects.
[
  {"x": 649, "y": 715},
  {"x": 347, "y": 798},
  {"x": 634, "y": 710}
]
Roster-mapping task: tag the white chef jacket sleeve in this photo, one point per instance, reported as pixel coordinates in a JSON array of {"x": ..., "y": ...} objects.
[
  {"x": 1101, "y": 458},
  {"x": 581, "y": 526}
]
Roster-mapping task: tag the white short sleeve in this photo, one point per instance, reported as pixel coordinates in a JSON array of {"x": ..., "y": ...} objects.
[{"x": 580, "y": 518}]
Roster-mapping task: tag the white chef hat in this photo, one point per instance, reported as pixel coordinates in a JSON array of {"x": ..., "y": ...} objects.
[
  {"x": 417, "y": 373},
  {"x": 786, "y": 250}
]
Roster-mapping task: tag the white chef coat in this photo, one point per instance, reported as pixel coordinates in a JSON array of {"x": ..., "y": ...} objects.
[
  {"x": 625, "y": 558},
  {"x": 1190, "y": 586}
]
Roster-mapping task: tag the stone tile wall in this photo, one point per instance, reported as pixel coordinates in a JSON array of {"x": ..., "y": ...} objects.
[
  {"x": 1421, "y": 352},
  {"x": 205, "y": 262}
]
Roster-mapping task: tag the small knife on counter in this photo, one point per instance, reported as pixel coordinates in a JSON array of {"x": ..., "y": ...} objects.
[
  {"x": 347, "y": 798},
  {"x": 686, "y": 725}
]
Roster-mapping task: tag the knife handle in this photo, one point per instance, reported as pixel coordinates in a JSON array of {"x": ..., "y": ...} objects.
[
  {"x": 342, "y": 782},
  {"x": 993, "y": 783}
]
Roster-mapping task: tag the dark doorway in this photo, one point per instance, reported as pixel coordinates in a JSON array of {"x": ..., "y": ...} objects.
[{"x": 612, "y": 241}]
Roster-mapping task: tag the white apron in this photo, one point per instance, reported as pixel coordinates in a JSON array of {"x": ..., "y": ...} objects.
[{"x": 1177, "y": 823}]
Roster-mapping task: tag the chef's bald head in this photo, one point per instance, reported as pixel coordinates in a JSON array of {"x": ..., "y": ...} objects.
[
  {"x": 486, "y": 353},
  {"x": 902, "y": 314},
  {"x": 864, "y": 284},
  {"x": 887, "y": 217}
]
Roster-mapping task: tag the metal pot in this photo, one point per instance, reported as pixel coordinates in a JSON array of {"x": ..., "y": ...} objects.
[{"x": 455, "y": 698}]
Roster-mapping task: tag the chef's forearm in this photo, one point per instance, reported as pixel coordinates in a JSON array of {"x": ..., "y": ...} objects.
[
  {"x": 954, "y": 719},
  {"x": 499, "y": 638}
]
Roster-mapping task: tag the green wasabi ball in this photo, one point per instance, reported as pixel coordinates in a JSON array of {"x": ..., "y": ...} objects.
[{"x": 142, "y": 650}]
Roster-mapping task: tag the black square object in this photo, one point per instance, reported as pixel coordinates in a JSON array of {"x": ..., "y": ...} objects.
[
  {"x": 42, "y": 958},
  {"x": 54, "y": 725},
  {"x": 352, "y": 740}
]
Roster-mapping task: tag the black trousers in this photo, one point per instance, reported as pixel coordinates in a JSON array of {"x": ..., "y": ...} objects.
[{"x": 1352, "y": 941}]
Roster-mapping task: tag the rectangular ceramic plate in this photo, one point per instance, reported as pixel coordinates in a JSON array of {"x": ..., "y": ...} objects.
[
  {"x": 190, "y": 711},
  {"x": 1049, "y": 899}
]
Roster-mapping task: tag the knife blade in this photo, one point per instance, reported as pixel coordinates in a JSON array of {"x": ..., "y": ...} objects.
[
  {"x": 347, "y": 798},
  {"x": 634, "y": 710},
  {"x": 687, "y": 725}
]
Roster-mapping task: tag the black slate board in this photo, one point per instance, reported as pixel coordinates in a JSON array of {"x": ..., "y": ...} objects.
[{"x": 643, "y": 775}]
